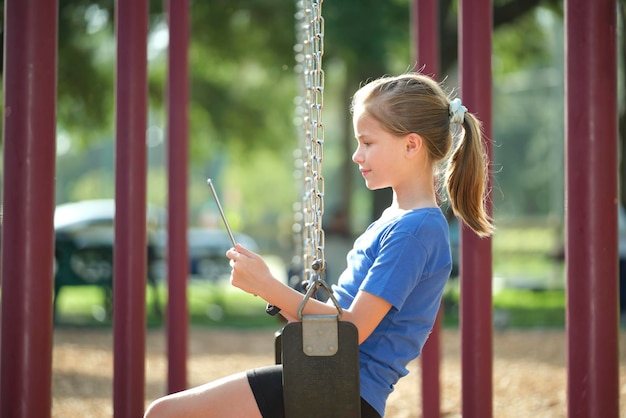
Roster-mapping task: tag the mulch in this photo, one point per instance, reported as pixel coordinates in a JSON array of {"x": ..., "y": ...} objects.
[{"x": 529, "y": 372}]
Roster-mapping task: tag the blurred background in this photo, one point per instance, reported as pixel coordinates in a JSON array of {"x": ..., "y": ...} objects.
[{"x": 244, "y": 129}]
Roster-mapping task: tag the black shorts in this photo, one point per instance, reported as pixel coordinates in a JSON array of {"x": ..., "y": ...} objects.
[{"x": 267, "y": 386}]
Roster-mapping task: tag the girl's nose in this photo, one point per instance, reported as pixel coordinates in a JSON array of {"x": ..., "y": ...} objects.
[{"x": 357, "y": 157}]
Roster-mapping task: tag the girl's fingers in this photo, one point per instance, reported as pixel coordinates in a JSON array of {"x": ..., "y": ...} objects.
[
  {"x": 242, "y": 250},
  {"x": 235, "y": 252}
]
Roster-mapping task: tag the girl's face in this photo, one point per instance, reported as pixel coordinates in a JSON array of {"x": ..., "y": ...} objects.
[{"x": 379, "y": 154}]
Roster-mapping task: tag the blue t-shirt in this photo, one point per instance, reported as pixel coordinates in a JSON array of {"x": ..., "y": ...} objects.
[{"x": 405, "y": 259}]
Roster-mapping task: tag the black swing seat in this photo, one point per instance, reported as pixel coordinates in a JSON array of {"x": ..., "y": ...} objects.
[{"x": 320, "y": 358}]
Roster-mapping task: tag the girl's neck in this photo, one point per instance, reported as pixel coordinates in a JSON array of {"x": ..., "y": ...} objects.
[
  {"x": 417, "y": 199},
  {"x": 417, "y": 189},
  {"x": 393, "y": 211}
]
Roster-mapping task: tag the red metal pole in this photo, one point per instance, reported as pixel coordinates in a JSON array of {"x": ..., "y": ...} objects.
[
  {"x": 426, "y": 35},
  {"x": 177, "y": 146},
  {"x": 130, "y": 255},
  {"x": 476, "y": 317},
  {"x": 591, "y": 209},
  {"x": 30, "y": 70},
  {"x": 426, "y": 40}
]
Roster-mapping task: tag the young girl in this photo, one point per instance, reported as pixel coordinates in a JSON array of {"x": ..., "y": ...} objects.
[{"x": 392, "y": 287}]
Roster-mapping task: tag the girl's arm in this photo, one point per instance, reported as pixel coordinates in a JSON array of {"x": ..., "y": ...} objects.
[{"x": 251, "y": 274}]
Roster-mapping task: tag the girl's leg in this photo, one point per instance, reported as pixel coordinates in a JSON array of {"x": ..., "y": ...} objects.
[
  {"x": 227, "y": 397},
  {"x": 367, "y": 411}
]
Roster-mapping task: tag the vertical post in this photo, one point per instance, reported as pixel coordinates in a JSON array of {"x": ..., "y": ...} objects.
[
  {"x": 177, "y": 146},
  {"x": 426, "y": 41},
  {"x": 476, "y": 321},
  {"x": 591, "y": 208},
  {"x": 426, "y": 35},
  {"x": 30, "y": 71},
  {"x": 130, "y": 251}
]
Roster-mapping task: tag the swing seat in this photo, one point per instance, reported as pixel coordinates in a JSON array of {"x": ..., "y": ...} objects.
[{"x": 320, "y": 358}]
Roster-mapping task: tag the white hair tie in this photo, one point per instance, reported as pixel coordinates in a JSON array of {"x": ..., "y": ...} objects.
[{"x": 456, "y": 111}]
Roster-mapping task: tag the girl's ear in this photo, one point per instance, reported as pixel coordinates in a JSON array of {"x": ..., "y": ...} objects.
[{"x": 413, "y": 143}]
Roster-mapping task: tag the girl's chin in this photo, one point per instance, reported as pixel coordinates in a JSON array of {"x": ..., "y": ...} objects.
[{"x": 373, "y": 186}]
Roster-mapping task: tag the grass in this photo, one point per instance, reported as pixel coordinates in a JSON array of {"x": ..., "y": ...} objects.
[
  {"x": 518, "y": 308},
  {"x": 219, "y": 305},
  {"x": 526, "y": 254},
  {"x": 209, "y": 304},
  {"x": 530, "y": 308}
]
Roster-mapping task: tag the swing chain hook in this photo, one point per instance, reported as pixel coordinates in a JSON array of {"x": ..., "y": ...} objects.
[{"x": 316, "y": 282}]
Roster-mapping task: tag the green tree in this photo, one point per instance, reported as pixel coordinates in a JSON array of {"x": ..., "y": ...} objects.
[
  {"x": 362, "y": 32},
  {"x": 241, "y": 68}
]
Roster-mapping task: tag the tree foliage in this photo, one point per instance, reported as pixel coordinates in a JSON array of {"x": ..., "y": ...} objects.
[{"x": 242, "y": 72}]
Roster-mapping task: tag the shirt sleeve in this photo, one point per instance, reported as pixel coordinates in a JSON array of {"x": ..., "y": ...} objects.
[{"x": 397, "y": 268}]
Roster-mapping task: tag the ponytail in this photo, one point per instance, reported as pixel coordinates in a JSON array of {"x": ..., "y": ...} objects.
[{"x": 466, "y": 177}]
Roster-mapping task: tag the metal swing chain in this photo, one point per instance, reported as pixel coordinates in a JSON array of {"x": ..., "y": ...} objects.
[
  {"x": 313, "y": 197},
  {"x": 314, "y": 85}
]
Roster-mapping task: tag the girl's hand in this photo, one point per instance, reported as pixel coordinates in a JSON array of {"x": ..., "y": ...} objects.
[{"x": 249, "y": 273}]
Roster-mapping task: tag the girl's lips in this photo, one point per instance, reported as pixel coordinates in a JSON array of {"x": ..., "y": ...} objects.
[{"x": 364, "y": 172}]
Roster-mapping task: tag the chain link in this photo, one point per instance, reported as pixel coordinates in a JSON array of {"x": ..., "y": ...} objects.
[{"x": 309, "y": 53}]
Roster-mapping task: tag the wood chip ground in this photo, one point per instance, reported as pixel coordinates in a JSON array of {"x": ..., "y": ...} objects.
[{"x": 529, "y": 374}]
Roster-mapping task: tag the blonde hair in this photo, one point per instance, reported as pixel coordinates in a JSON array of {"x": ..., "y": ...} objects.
[{"x": 415, "y": 103}]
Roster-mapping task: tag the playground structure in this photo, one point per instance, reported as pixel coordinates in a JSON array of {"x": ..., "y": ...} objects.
[{"x": 28, "y": 179}]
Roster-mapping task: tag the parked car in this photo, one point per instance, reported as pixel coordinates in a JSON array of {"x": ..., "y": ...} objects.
[
  {"x": 84, "y": 238},
  {"x": 207, "y": 251},
  {"x": 84, "y": 246}
]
